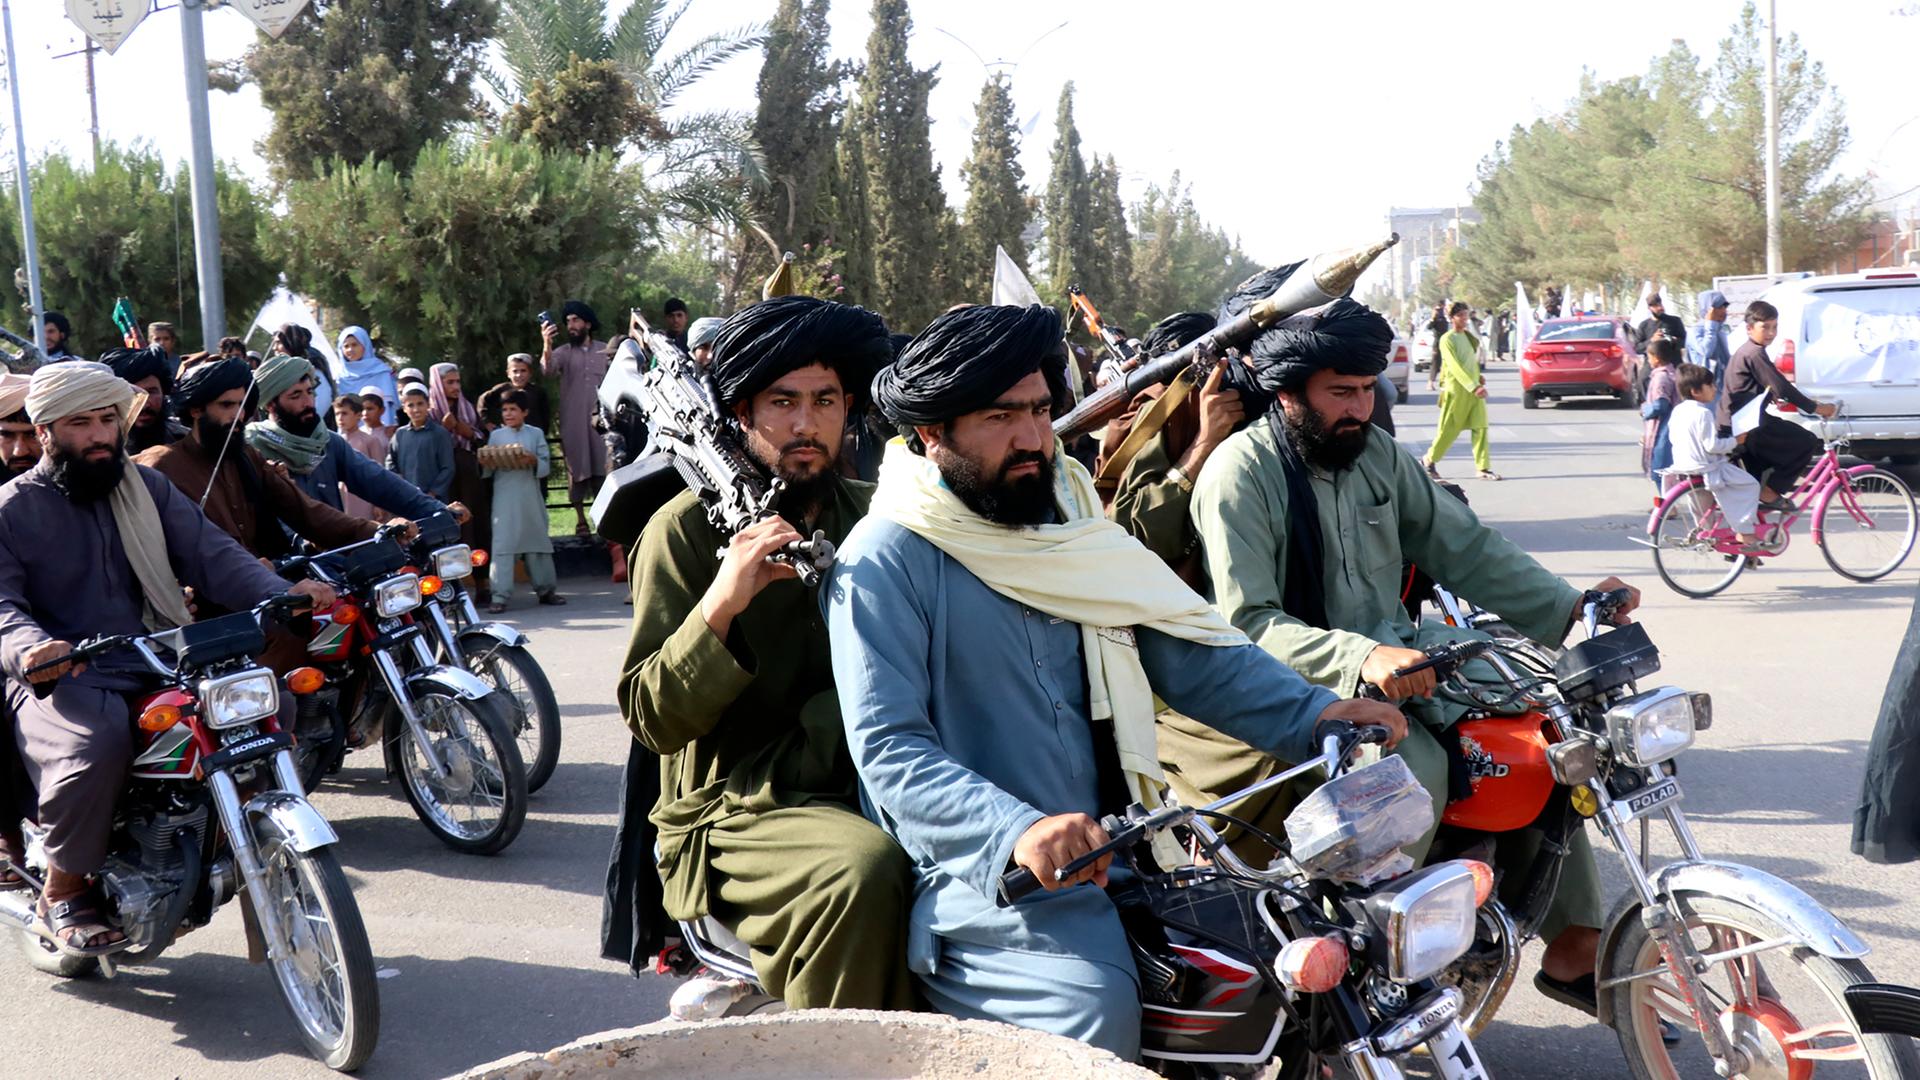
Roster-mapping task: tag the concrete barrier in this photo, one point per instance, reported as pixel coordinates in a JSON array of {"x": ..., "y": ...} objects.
[{"x": 843, "y": 1044}]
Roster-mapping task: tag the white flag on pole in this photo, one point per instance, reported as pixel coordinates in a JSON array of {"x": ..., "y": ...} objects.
[{"x": 1523, "y": 317}]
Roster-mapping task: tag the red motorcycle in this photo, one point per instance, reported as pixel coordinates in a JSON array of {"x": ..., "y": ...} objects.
[{"x": 213, "y": 808}]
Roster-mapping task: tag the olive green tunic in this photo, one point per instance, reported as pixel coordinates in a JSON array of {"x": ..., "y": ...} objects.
[
  {"x": 1374, "y": 518},
  {"x": 759, "y": 812}
]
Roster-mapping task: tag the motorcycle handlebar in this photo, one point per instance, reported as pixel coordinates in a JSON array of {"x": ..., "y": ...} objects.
[{"x": 1444, "y": 660}]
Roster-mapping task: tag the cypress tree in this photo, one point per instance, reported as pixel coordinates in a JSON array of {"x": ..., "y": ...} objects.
[
  {"x": 1111, "y": 243},
  {"x": 1067, "y": 238},
  {"x": 852, "y": 223},
  {"x": 905, "y": 205},
  {"x": 998, "y": 209},
  {"x": 799, "y": 110}
]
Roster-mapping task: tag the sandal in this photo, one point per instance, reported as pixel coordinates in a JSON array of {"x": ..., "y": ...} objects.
[
  {"x": 1583, "y": 994},
  {"x": 1433, "y": 471},
  {"x": 496, "y": 608},
  {"x": 9, "y": 877},
  {"x": 1489, "y": 474},
  {"x": 79, "y": 920},
  {"x": 551, "y": 599}
]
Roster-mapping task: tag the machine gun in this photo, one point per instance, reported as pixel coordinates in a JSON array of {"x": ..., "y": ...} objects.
[
  {"x": 27, "y": 359},
  {"x": 685, "y": 422}
]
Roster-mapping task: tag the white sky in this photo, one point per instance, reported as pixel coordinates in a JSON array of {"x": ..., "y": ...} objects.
[{"x": 1297, "y": 124}]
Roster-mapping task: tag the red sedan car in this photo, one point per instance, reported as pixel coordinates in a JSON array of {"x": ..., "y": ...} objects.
[{"x": 1587, "y": 356}]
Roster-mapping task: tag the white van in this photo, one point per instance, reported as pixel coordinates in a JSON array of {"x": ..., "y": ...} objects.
[{"x": 1855, "y": 338}]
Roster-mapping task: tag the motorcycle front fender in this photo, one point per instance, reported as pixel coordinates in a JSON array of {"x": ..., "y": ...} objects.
[
  {"x": 495, "y": 631},
  {"x": 452, "y": 681},
  {"x": 295, "y": 818},
  {"x": 1804, "y": 919}
]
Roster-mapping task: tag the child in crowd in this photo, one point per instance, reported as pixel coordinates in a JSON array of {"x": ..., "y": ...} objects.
[
  {"x": 422, "y": 452},
  {"x": 1698, "y": 449},
  {"x": 347, "y": 412},
  {"x": 373, "y": 420},
  {"x": 519, "y": 512},
  {"x": 1663, "y": 393}
]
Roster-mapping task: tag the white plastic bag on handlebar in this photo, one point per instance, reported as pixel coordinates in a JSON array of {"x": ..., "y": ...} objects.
[{"x": 1352, "y": 828}]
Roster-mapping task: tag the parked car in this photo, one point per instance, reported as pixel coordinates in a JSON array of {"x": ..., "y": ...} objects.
[
  {"x": 1585, "y": 356},
  {"x": 1423, "y": 350},
  {"x": 1397, "y": 364},
  {"x": 1856, "y": 338}
]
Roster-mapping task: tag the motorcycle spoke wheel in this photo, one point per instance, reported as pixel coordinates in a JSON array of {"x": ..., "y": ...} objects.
[
  {"x": 323, "y": 965},
  {"x": 1688, "y": 562},
  {"x": 1867, "y": 527},
  {"x": 1780, "y": 1003},
  {"x": 532, "y": 711},
  {"x": 481, "y": 802}
]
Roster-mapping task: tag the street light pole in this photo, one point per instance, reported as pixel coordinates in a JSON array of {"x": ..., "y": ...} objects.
[
  {"x": 206, "y": 209},
  {"x": 1773, "y": 138},
  {"x": 32, "y": 253}
]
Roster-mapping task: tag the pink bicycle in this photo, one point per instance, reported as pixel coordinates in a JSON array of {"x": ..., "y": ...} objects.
[{"x": 1863, "y": 519}]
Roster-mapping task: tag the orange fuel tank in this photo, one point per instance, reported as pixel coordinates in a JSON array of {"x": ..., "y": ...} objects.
[{"x": 1507, "y": 761}]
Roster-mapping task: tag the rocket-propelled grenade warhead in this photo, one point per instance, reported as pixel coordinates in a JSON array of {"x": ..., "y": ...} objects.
[{"x": 1329, "y": 276}]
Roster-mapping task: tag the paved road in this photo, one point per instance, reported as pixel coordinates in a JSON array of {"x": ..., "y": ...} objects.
[{"x": 484, "y": 957}]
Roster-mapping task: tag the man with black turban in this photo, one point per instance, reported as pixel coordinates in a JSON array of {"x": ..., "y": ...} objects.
[
  {"x": 151, "y": 370},
  {"x": 728, "y": 679},
  {"x": 1151, "y": 454},
  {"x": 59, "y": 333},
  {"x": 1307, "y": 519},
  {"x": 997, "y": 643},
  {"x": 580, "y": 364}
]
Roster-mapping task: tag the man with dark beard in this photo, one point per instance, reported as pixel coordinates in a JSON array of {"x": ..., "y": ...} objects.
[
  {"x": 320, "y": 460},
  {"x": 728, "y": 679},
  {"x": 258, "y": 506},
  {"x": 150, "y": 370},
  {"x": 997, "y": 643},
  {"x": 1307, "y": 518},
  {"x": 59, "y": 333},
  {"x": 93, "y": 544},
  {"x": 19, "y": 443},
  {"x": 580, "y": 363}
]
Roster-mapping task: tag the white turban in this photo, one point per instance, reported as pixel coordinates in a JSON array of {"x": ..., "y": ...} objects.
[
  {"x": 13, "y": 393},
  {"x": 71, "y": 387}
]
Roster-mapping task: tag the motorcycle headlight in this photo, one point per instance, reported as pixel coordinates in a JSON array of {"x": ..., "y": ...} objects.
[
  {"x": 242, "y": 698},
  {"x": 397, "y": 595},
  {"x": 453, "y": 563},
  {"x": 1647, "y": 729},
  {"x": 1427, "y": 918}
]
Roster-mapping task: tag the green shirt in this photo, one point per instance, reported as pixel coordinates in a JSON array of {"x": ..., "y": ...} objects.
[
  {"x": 1152, "y": 505},
  {"x": 1374, "y": 518},
  {"x": 742, "y": 726}
]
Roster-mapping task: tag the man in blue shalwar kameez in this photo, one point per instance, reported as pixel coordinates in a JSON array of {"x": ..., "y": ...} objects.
[{"x": 997, "y": 643}]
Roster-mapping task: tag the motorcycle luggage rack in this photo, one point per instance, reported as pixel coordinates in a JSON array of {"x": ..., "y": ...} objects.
[
  {"x": 1607, "y": 662},
  {"x": 230, "y": 637}
]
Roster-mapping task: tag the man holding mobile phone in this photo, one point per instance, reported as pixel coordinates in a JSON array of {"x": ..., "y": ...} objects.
[{"x": 580, "y": 362}]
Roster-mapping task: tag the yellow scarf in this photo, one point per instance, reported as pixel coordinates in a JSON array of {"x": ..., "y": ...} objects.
[{"x": 1086, "y": 570}]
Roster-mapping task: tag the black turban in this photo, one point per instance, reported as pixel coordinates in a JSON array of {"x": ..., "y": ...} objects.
[
  {"x": 1348, "y": 337},
  {"x": 136, "y": 364},
  {"x": 760, "y": 343},
  {"x": 964, "y": 360},
  {"x": 1175, "y": 332},
  {"x": 202, "y": 385},
  {"x": 1257, "y": 287},
  {"x": 580, "y": 308}
]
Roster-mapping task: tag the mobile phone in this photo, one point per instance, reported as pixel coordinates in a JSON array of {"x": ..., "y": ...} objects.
[{"x": 545, "y": 317}]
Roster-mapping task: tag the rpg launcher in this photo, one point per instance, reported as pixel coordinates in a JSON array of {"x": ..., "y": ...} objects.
[
  {"x": 685, "y": 422},
  {"x": 1326, "y": 277},
  {"x": 1122, "y": 356}
]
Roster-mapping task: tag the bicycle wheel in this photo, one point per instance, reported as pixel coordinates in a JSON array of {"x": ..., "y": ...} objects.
[
  {"x": 1866, "y": 525},
  {"x": 1686, "y": 559}
]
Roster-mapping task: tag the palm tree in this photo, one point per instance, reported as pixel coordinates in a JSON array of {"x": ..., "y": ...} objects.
[{"x": 708, "y": 163}]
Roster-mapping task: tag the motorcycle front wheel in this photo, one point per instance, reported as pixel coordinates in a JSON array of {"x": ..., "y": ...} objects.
[
  {"x": 532, "y": 711},
  {"x": 481, "y": 802},
  {"x": 324, "y": 968},
  {"x": 1784, "y": 1005}
]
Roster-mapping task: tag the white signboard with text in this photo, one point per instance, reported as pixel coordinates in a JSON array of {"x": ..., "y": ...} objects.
[
  {"x": 271, "y": 16},
  {"x": 107, "y": 22}
]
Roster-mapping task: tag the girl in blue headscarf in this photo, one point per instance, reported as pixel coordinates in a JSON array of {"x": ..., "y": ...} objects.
[{"x": 363, "y": 367}]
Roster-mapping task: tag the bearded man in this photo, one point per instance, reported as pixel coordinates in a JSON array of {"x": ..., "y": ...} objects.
[
  {"x": 150, "y": 370},
  {"x": 320, "y": 460},
  {"x": 728, "y": 679},
  {"x": 580, "y": 363},
  {"x": 997, "y": 643},
  {"x": 93, "y": 544},
  {"x": 1307, "y": 518},
  {"x": 19, "y": 443},
  {"x": 256, "y": 505}
]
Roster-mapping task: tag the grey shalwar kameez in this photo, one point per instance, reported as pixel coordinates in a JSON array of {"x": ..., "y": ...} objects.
[{"x": 64, "y": 576}]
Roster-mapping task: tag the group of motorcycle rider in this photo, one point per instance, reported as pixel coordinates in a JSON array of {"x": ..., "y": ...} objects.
[{"x": 995, "y": 659}]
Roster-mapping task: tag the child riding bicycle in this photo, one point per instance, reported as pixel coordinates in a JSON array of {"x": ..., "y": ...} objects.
[{"x": 1697, "y": 448}]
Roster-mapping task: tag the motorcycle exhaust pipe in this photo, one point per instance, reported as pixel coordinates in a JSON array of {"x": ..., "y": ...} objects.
[{"x": 16, "y": 907}]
